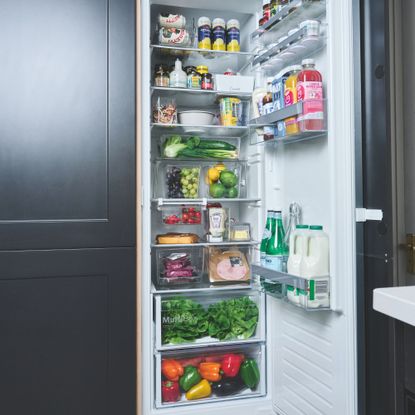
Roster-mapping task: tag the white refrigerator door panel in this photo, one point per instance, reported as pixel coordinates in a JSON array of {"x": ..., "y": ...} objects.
[{"x": 314, "y": 354}]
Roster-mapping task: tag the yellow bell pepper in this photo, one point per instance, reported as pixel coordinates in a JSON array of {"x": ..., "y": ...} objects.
[{"x": 199, "y": 391}]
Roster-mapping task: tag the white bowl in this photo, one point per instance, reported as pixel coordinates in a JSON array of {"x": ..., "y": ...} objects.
[{"x": 196, "y": 118}]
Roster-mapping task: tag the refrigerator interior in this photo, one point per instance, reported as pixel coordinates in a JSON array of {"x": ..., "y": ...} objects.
[{"x": 307, "y": 358}]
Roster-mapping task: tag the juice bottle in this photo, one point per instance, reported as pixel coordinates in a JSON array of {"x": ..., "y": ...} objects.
[
  {"x": 290, "y": 98},
  {"x": 310, "y": 90},
  {"x": 277, "y": 250}
]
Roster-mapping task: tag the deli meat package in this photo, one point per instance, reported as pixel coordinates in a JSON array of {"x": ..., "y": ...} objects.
[{"x": 228, "y": 265}]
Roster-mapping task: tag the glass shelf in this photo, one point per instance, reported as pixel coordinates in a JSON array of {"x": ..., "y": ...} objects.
[
  {"x": 207, "y": 244},
  {"x": 216, "y": 60},
  {"x": 311, "y": 294},
  {"x": 195, "y": 97},
  {"x": 203, "y": 287},
  {"x": 289, "y": 17},
  {"x": 211, "y": 130},
  {"x": 202, "y": 201}
]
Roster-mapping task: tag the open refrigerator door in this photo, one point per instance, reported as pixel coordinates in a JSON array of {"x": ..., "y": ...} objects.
[{"x": 235, "y": 127}]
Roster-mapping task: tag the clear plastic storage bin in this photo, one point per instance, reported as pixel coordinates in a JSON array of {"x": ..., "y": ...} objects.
[
  {"x": 177, "y": 266},
  {"x": 249, "y": 382},
  {"x": 195, "y": 319}
]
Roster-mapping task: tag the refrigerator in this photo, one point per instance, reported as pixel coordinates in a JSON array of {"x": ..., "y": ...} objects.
[{"x": 305, "y": 355}]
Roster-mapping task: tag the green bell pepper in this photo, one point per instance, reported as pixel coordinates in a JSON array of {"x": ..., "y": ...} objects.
[
  {"x": 190, "y": 378},
  {"x": 249, "y": 373}
]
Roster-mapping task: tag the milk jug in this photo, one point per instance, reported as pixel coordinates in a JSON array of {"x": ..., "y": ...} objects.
[
  {"x": 298, "y": 247},
  {"x": 315, "y": 263}
]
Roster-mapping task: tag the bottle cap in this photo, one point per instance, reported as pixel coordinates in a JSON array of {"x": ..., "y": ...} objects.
[
  {"x": 233, "y": 23},
  {"x": 308, "y": 62},
  {"x": 203, "y": 21},
  {"x": 218, "y": 22},
  {"x": 302, "y": 227},
  {"x": 316, "y": 228}
]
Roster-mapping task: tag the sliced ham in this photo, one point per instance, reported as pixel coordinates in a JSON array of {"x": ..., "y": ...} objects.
[{"x": 228, "y": 271}]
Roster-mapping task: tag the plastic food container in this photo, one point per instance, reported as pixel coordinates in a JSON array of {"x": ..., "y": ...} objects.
[
  {"x": 253, "y": 353},
  {"x": 240, "y": 232},
  {"x": 182, "y": 215},
  {"x": 165, "y": 111},
  {"x": 229, "y": 264},
  {"x": 224, "y": 180},
  {"x": 312, "y": 27},
  {"x": 182, "y": 181},
  {"x": 178, "y": 266}
]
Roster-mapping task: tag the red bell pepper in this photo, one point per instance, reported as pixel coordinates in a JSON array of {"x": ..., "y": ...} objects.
[
  {"x": 170, "y": 391},
  {"x": 230, "y": 364}
]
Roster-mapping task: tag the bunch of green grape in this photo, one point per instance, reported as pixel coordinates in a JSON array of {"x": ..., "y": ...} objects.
[{"x": 189, "y": 180}]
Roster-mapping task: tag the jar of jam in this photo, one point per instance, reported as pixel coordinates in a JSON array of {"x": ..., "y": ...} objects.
[
  {"x": 207, "y": 78},
  {"x": 266, "y": 10},
  {"x": 161, "y": 76}
]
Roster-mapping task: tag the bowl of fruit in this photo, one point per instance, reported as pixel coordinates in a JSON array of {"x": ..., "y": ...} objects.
[
  {"x": 182, "y": 182},
  {"x": 223, "y": 181}
]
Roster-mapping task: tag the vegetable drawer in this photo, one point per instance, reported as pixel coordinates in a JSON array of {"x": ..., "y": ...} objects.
[
  {"x": 192, "y": 320},
  {"x": 207, "y": 375}
]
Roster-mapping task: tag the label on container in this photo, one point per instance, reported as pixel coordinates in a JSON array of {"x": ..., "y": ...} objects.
[
  {"x": 204, "y": 41},
  {"x": 276, "y": 262},
  {"x": 317, "y": 294},
  {"x": 219, "y": 38},
  {"x": 312, "y": 93},
  {"x": 193, "y": 81},
  {"x": 267, "y": 109}
]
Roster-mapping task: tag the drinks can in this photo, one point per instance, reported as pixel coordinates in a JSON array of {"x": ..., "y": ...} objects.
[
  {"x": 233, "y": 36},
  {"x": 203, "y": 33},
  {"x": 218, "y": 34},
  {"x": 230, "y": 111}
]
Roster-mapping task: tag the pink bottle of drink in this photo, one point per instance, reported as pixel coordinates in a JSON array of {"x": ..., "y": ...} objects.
[{"x": 310, "y": 90}]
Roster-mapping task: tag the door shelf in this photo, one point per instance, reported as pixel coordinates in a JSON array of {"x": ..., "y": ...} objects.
[
  {"x": 167, "y": 319},
  {"x": 289, "y": 139},
  {"x": 310, "y": 294},
  {"x": 289, "y": 17},
  {"x": 291, "y": 50},
  {"x": 216, "y": 60},
  {"x": 251, "y": 351}
]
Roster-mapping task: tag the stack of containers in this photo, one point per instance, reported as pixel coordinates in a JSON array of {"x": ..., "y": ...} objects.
[
  {"x": 172, "y": 30},
  {"x": 218, "y": 34}
]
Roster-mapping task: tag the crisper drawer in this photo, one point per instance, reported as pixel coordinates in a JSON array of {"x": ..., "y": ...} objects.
[
  {"x": 207, "y": 375},
  {"x": 192, "y": 320}
]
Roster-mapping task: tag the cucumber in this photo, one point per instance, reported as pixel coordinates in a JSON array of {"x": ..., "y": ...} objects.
[{"x": 215, "y": 145}]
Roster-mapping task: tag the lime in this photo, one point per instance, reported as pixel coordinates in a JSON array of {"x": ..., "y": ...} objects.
[
  {"x": 232, "y": 192},
  {"x": 228, "y": 178},
  {"x": 216, "y": 190}
]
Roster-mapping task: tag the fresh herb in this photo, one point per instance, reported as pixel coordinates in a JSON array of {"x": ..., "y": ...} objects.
[
  {"x": 183, "y": 321},
  {"x": 234, "y": 318}
]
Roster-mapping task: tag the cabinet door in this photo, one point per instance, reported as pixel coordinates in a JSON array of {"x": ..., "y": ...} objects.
[
  {"x": 67, "y": 123},
  {"x": 67, "y": 324}
]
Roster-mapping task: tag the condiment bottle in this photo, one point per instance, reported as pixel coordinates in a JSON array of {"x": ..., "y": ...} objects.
[
  {"x": 275, "y": 7},
  {"x": 233, "y": 36},
  {"x": 204, "y": 32},
  {"x": 266, "y": 10},
  {"x": 290, "y": 98},
  {"x": 310, "y": 90},
  {"x": 267, "y": 108},
  {"x": 218, "y": 34},
  {"x": 207, "y": 78},
  {"x": 161, "y": 76},
  {"x": 178, "y": 77}
]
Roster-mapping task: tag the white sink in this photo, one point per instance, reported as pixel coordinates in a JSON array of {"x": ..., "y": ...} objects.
[{"x": 396, "y": 302}]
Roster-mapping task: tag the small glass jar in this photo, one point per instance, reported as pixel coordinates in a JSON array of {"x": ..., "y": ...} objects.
[
  {"x": 207, "y": 78},
  {"x": 161, "y": 76},
  {"x": 194, "y": 79}
]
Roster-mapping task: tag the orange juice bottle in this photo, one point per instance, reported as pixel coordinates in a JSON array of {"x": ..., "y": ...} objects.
[{"x": 290, "y": 98}]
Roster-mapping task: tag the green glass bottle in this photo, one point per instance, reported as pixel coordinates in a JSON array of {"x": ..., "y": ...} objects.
[
  {"x": 265, "y": 237},
  {"x": 277, "y": 249}
]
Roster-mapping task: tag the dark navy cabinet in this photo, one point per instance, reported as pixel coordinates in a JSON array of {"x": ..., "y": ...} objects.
[{"x": 67, "y": 207}]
